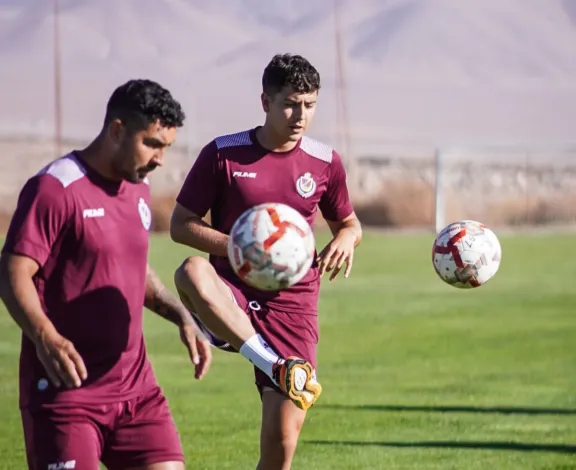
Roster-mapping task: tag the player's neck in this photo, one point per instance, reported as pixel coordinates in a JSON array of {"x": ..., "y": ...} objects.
[
  {"x": 271, "y": 141},
  {"x": 97, "y": 159}
]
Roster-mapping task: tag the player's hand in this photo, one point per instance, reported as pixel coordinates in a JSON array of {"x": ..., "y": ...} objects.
[
  {"x": 62, "y": 362},
  {"x": 199, "y": 349},
  {"x": 338, "y": 252}
]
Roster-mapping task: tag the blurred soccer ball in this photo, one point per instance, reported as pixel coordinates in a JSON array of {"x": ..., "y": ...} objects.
[
  {"x": 466, "y": 254},
  {"x": 271, "y": 246}
]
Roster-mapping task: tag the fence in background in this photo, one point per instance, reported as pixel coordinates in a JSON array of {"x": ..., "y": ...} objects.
[{"x": 500, "y": 186}]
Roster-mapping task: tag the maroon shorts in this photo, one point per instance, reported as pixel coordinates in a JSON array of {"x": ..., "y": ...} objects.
[
  {"x": 122, "y": 435},
  {"x": 288, "y": 334}
]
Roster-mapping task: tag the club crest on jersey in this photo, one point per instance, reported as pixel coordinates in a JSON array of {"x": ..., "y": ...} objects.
[
  {"x": 305, "y": 185},
  {"x": 145, "y": 214}
]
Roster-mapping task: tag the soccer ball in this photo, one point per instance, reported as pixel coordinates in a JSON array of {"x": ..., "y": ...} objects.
[
  {"x": 466, "y": 254},
  {"x": 271, "y": 246}
]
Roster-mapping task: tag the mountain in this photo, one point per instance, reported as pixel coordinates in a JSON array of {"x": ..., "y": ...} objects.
[{"x": 420, "y": 73}]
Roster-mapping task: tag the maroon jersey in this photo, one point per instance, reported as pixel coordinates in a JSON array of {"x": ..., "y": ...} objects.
[
  {"x": 234, "y": 172},
  {"x": 90, "y": 238}
]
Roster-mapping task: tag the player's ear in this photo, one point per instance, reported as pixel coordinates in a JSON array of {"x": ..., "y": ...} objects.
[
  {"x": 116, "y": 131},
  {"x": 265, "y": 102}
]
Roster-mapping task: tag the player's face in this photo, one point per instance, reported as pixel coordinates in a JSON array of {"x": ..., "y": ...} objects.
[
  {"x": 289, "y": 113},
  {"x": 140, "y": 152}
]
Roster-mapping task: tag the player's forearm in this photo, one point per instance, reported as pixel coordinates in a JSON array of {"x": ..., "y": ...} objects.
[
  {"x": 161, "y": 301},
  {"x": 197, "y": 234},
  {"x": 353, "y": 226},
  {"x": 20, "y": 296}
]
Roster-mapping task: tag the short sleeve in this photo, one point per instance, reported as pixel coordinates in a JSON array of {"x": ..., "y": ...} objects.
[
  {"x": 201, "y": 186},
  {"x": 40, "y": 217},
  {"x": 335, "y": 203}
]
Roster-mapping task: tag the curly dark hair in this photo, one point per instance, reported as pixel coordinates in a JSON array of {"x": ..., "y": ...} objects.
[
  {"x": 290, "y": 70},
  {"x": 139, "y": 103}
]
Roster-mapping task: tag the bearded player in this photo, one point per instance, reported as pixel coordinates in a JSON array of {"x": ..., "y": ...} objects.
[
  {"x": 276, "y": 331},
  {"x": 74, "y": 275}
]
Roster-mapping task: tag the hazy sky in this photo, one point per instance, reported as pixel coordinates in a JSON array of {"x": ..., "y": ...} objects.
[{"x": 420, "y": 73}]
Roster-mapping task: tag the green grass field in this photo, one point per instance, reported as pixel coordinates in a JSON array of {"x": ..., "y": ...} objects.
[{"x": 416, "y": 374}]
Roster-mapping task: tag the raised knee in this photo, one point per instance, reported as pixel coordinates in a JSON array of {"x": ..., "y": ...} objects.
[
  {"x": 195, "y": 276},
  {"x": 194, "y": 267},
  {"x": 192, "y": 271}
]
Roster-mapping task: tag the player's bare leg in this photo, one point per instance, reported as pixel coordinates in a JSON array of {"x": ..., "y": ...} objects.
[
  {"x": 204, "y": 293},
  {"x": 161, "y": 466},
  {"x": 281, "y": 425}
]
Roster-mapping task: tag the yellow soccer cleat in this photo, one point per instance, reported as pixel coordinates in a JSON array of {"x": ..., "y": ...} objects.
[{"x": 296, "y": 378}]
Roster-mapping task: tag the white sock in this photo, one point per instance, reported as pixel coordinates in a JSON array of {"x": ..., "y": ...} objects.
[{"x": 260, "y": 354}]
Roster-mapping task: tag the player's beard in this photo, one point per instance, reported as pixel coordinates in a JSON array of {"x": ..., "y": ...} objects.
[
  {"x": 131, "y": 175},
  {"x": 142, "y": 172},
  {"x": 137, "y": 176},
  {"x": 124, "y": 167}
]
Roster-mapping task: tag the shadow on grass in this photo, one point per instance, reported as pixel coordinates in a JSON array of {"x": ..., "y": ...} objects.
[
  {"x": 489, "y": 445},
  {"x": 454, "y": 409}
]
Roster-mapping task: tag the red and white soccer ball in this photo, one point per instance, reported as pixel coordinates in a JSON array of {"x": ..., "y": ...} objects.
[
  {"x": 466, "y": 254},
  {"x": 271, "y": 246}
]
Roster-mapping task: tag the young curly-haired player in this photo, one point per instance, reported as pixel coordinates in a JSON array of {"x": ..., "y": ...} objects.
[{"x": 276, "y": 331}]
